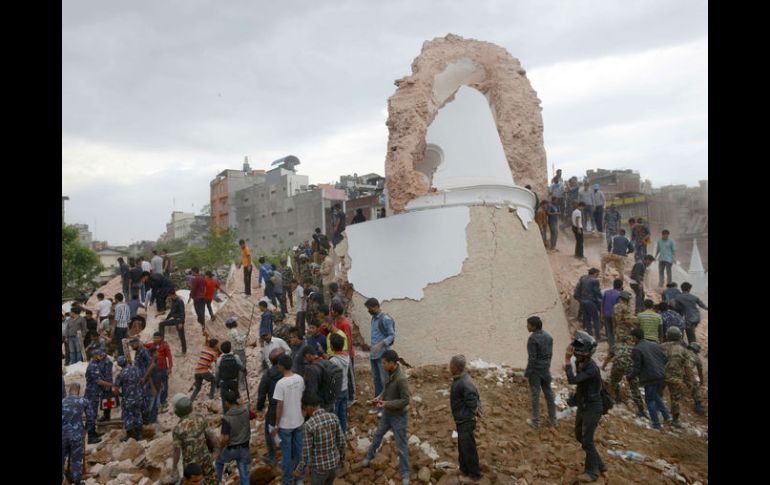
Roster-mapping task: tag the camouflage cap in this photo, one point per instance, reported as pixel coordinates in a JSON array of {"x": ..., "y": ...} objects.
[{"x": 626, "y": 295}]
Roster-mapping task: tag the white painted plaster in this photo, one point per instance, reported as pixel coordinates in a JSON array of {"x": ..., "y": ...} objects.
[
  {"x": 397, "y": 257},
  {"x": 467, "y": 135},
  {"x": 518, "y": 198},
  {"x": 461, "y": 72}
]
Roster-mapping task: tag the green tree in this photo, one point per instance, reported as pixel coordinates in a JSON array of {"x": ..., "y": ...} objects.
[
  {"x": 79, "y": 265},
  {"x": 219, "y": 248}
]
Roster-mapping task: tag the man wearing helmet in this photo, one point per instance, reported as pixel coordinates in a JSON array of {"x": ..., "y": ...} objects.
[
  {"x": 679, "y": 368},
  {"x": 189, "y": 437},
  {"x": 588, "y": 399},
  {"x": 694, "y": 386}
]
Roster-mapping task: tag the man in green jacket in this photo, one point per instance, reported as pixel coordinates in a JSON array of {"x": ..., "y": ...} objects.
[{"x": 394, "y": 401}]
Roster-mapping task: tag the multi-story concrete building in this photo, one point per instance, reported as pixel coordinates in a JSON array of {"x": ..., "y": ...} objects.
[
  {"x": 284, "y": 210},
  {"x": 180, "y": 225},
  {"x": 614, "y": 182},
  {"x": 223, "y": 189},
  {"x": 84, "y": 235}
]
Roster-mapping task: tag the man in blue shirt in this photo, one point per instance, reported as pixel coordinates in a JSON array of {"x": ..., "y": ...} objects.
[
  {"x": 609, "y": 298},
  {"x": 264, "y": 275},
  {"x": 664, "y": 253},
  {"x": 553, "y": 221},
  {"x": 383, "y": 335}
]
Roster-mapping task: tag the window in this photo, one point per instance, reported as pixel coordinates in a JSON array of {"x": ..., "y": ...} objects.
[
  {"x": 291, "y": 233},
  {"x": 275, "y": 235},
  {"x": 245, "y": 199},
  {"x": 290, "y": 210},
  {"x": 272, "y": 213}
]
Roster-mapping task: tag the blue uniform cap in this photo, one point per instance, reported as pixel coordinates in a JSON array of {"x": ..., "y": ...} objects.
[{"x": 122, "y": 361}]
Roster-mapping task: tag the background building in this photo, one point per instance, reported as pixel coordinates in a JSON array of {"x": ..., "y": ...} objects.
[
  {"x": 223, "y": 189},
  {"x": 84, "y": 235},
  {"x": 284, "y": 210}
]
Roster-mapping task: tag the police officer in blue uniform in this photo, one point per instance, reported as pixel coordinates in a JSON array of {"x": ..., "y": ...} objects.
[
  {"x": 72, "y": 409},
  {"x": 128, "y": 385}
]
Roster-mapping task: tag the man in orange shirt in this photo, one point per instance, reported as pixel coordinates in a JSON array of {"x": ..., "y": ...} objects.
[
  {"x": 247, "y": 266},
  {"x": 338, "y": 313}
]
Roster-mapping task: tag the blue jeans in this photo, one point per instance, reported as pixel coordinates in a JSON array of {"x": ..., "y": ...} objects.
[
  {"x": 396, "y": 423},
  {"x": 154, "y": 403},
  {"x": 654, "y": 402},
  {"x": 291, "y": 448},
  {"x": 270, "y": 442},
  {"x": 163, "y": 379},
  {"x": 75, "y": 355},
  {"x": 341, "y": 409},
  {"x": 378, "y": 374},
  {"x": 591, "y": 318},
  {"x": 120, "y": 334},
  {"x": 242, "y": 459}
]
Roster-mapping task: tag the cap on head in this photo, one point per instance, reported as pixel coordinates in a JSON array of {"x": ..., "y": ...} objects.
[
  {"x": 231, "y": 322},
  {"x": 122, "y": 361},
  {"x": 625, "y": 295}
]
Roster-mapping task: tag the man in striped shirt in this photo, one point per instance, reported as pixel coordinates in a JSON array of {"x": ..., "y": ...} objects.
[
  {"x": 206, "y": 359},
  {"x": 122, "y": 317},
  {"x": 324, "y": 443},
  {"x": 650, "y": 322}
]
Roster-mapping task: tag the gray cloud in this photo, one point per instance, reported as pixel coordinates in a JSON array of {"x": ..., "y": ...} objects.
[{"x": 151, "y": 88}]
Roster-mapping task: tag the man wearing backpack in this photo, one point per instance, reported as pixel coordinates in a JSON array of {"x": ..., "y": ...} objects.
[
  {"x": 383, "y": 337},
  {"x": 228, "y": 368},
  {"x": 323, "y": 379}
]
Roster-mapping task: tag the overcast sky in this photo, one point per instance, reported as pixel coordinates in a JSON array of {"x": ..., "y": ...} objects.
[{"x": 158, "y": 97}]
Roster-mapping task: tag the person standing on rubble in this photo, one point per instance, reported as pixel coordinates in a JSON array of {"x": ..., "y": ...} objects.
[
  {"x": 665, "y": 249},
  {"x": 598, "y": 203},
  {"x": 577, "y": 229},
  {"x": 688, "y": 304},
  {"x": 161, "y": 288},
  {"x": 649, "y": 361},
  {"x": 190, "y": 437},
  {"x": 72, "y": 409},
  {"x": 247, "y": 267},
  {"x": 198, "y": 295},
  {"x": 553, "y": 222},
  {"x": 128, "y": 385},
  {"x": 465, "y": 402},
  {"x": 175, "y": 318},
  {"x": 611, "y": 224},
  {"x": 619, "y": 249},
  {"x": 94, "y": 388},
  {"x": 637, "y": 281},
  {"x": 538, "y": 371},
  {"x": 679, "y": 368},
  {"x": 234, "y": 441},
  {"x": 383, "y": 335},
  {"x": 588, "y": 292},
  {"x": 586, "y": 196},
  {"x": 238, "y": 342},
  {"x": 394, "y": 401},
  {"x": 588, "y": 400},
  {"x": 265, "y": 393}
]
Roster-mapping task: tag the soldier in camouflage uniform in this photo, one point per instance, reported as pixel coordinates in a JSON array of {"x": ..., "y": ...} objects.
[
  {"x": 679, "y": 369},
  {"x": 190, "y": 440},
  {"x": 620, "y": 356},
  {"x": 94, "y": 388},
  {"x": 127, "y": 383},
  {"x": 694, "y": 350},
  {"x": 145, "y": 363},
  {"x": 623, "y": 319},
  {"x": 72, "y": 409}
]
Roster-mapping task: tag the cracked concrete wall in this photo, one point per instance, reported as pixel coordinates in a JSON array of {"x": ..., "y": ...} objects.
[
  {"x": 481, "y": 312},
  {"x": 443, "y": 66}
]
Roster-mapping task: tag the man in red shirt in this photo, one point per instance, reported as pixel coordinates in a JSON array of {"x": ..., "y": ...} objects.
[
  {"x": 198, "y": 294},
  {"x": 164, "y": 363},
  {"x": 211, "y": 285},
  {"x": 338, "y": 313}
]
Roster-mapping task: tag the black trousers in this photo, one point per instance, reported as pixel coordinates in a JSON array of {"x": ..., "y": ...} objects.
[
  {"x": 160, "y": 299},
  {"x": 179, "y": 324},
  {"x": 690, "y": 332},
  {"x": 199, "y": 378},
  {"x": 586, "y": 421},
  {"x": 300, "y": 324},
  {"x": 247, "y": 279},
  {"x": 466, "y": 447},
  {"x": 639, "y": 292},
  {"x": 211, "y": 312},
  {"x": 281, "y": 297},
  {"x": 200, "y": 310},
  {"x": 578, "y": 241}
]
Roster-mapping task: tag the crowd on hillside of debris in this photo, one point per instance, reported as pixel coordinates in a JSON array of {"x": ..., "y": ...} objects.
[{"x": 307, "y": 378}]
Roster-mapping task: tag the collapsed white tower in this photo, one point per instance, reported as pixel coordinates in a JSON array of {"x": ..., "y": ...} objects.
[{"x": 461, "y": 265}]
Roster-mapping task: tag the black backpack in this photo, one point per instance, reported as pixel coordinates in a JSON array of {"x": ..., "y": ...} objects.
[
  {"x": 228, "y": 368},
  {"x": 381, "y": 325},
  {"x": 330, "y": 384}
]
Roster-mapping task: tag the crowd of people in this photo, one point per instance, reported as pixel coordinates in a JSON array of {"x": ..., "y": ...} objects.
[{"x": 307, "y": 381}]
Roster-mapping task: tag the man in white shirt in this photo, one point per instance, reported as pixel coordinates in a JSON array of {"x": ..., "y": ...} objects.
[
  {"x": 156, "y": 262},
  {"x": 586, "y": 196},
  {"x": 103, "y": 306},
  {"x": 268, "y": 344},
  {"x": 288, "y": 417},
  {"x": 300, "y": 304},
  {"x": 577, "y": 229}
]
